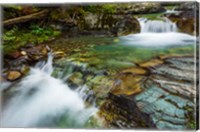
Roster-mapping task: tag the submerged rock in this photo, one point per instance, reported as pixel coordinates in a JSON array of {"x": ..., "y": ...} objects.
[
  {"x": 127, "y": 84},
  {"x": 166, "y": 99}
]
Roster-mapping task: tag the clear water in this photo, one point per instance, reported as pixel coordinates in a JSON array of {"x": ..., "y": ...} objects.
[
  {"x": 123, "y": 52},
  {"x": 41, "y": 100}
]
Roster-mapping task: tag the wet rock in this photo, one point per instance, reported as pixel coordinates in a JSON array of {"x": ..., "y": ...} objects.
[
  {"x": 121, "y": 112},
  {"x": 185, "y": 23},
  {"x": 100, "y": 85},
  {"x": 75, "y": 79},
  {"x": 58, "y": 54},
  {"x": 175, "y": 73},
  {"x": 18, "y": 62},
  {"x": 2, "y": 79},
  {"x": 13, "y": 55},
  {"x": 127, "y": 84},
  {"x": 23, "y": 53},
  {"x": 13, "y": 75},
  {"x": 190, "y": 28},
  {"x": 126, "y": 25},
  {"x": 151, "y": 63},
  {"x": 37, "y": 52},
  {"x": 24, "y": 69},
  {"x": 28, "y": 55},
  {"x": 166, "y": 99},
  {"x": 135, "y": 71},
  {"x": 186, "y": 17}
]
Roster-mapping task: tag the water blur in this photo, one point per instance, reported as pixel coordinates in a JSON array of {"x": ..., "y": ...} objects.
[{"x": 40, "y": 99}]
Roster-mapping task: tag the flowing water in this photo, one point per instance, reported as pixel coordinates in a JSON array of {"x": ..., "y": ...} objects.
[
  {"x": 158, "y": 33},
  {"x": 125, "y": 51},
  {"x": 157, "y": 26},
  {"x": 41, "y": 100}
]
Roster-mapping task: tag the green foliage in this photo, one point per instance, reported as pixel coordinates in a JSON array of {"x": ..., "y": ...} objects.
[
  {"x": 68, "y": 12},
  {"x": 192, "y": 125},
  {"x": 16, "y": 7},
  {"x": 152, "y": 16},
  {"x": 104, "y": 8},
  {"x": 170, "y": 7},
  {"x": 109, "y": 8},
  {"x": 9, "y": 36},
  {"x": 15, "y": 37}
]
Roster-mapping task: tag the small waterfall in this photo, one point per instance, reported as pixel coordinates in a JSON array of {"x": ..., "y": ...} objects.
[
  {"x": 157, "y": 26},
  {"x": 158, "y": 33},
  {"x": 87, "y": 95},
  {"x": 41, "y": 99}
]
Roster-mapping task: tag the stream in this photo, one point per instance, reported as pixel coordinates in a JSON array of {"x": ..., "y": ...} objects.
[{"x": 45, "y": 98}]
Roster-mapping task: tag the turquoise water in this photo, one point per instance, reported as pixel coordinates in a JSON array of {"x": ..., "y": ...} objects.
[{"x": 116, "y": 55}]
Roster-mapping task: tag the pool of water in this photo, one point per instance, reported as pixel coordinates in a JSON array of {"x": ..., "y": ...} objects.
[{"x": 111, "y": 53}]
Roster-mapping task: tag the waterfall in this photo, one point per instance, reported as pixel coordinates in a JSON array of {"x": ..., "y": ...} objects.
[
  {"x": 158, "y": 33},
  {"x": 41, "y": 99},
  {"x": 157, "y": 26}
]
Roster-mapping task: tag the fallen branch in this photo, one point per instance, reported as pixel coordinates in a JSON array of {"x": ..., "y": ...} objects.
[{"x": 25, "y": 18}]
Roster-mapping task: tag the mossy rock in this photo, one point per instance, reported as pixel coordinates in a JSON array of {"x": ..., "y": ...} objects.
[{"x": 76, "y": 78}]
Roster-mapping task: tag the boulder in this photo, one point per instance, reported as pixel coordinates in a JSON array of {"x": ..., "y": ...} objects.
[
  {"x": 186, "y": 6},
  {"x": 126, "y": 25},
  {"x": 13, "y": 55},
  {"x": 108, "y": 24},
  {"x": 13, "y": 75},
  {"x": 182, "y": 20}
]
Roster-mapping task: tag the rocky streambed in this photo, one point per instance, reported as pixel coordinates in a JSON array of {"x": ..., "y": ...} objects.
[
  {"x": 143, "y": 80},
  {"x": 157, "y": 92},
  {"x": 156, "y": 98},
  {"x": 149, "y": 88}
]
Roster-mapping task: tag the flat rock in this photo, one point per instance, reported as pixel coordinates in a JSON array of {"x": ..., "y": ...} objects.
[
  {"x": 127, "y": 84},
  {"x": 151, "y": 63},
  {"x": 135, "y": 70},
  {"x": 166, "y": 99}
]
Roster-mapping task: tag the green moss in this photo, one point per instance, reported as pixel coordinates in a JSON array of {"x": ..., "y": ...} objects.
[
  {"x": 152, "y": 16},
  {"x": 93, "y": 123},
  {"x": 170, "y": 7},
  {"x": 192, "y": 125},
  {"x": 101, "y": 8},
  {"x": 16, "y": 7}
]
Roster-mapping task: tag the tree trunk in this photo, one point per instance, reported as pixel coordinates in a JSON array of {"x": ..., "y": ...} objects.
[{"x": 26, "y": 18}]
